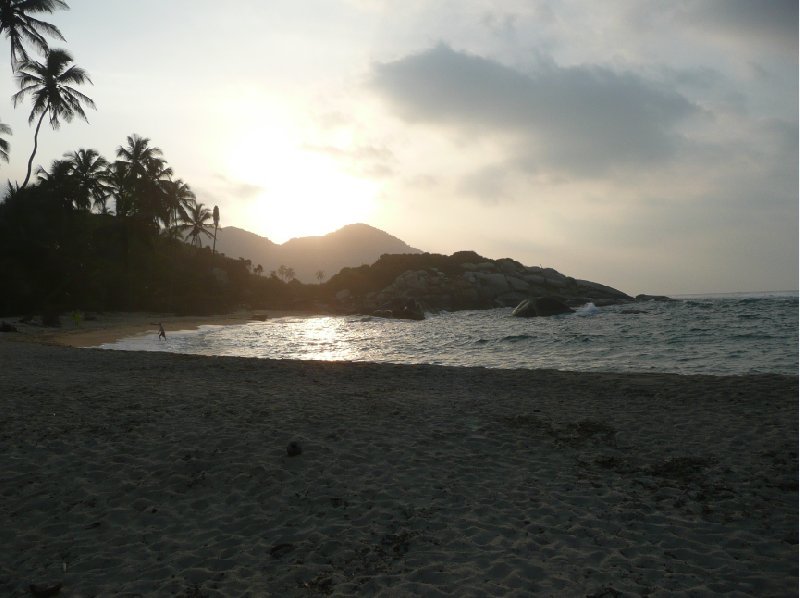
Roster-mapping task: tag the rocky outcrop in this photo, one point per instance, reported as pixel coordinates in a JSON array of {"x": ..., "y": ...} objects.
[
  {"x": 541, "y": 307},
  {"x": 643, "y": 297},
  {"x": 462, "y": 281}
]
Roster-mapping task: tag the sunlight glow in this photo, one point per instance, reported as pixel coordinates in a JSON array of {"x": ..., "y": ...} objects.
[
  {"x": 320, "y": 339},
  {"x": 304, "y": 192}
]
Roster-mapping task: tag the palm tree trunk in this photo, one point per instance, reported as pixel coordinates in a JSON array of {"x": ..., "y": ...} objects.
[
  {"x": 35, "y": 146},
  {"x": 214, "y": 250}
]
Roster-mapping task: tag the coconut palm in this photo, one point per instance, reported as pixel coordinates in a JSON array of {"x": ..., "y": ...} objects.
[
  {"x": 146, "y": 172},
  {"x": 196, "y": 223},
  {"x": 90, "y": 170},
  {"x": 118, "y": 187},
  {"x": 178, "y": 196},
  {"x": 4, "y": 145},
  {"x": 50, "y": 85},
  {"x": 60, "y": 181},
  {"x": 19, "y": 26},
  {"x": 137, "y": 157}
]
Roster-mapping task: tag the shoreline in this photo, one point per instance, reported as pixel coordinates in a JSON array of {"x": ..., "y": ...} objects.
[
  {"x": 160, "y": 473},
  {"x": 113, "y": 326}
]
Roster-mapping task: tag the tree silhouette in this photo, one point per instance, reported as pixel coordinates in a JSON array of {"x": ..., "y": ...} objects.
[
  {"x": 89, "y": 169},
  {"x": 259, "y": 270},
  {"x": 196, "y": 223},
  {"x": 286, "y": 273},
  {"x": 320, "y": 274},
  {"x": 19, "y": 26},
  {"x": 118, "y": 187},
  {"x": 4, "y": 145},
  {"x": 178, "y": 197},
  {"x": 145, "y": 173},
  {"x": 215, "y": 215},
  {"x": 50, "y": 86},
  {"x": 60, "y": 181}
]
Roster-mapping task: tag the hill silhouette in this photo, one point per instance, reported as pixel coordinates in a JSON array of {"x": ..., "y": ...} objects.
[{"x": 351, "y": 246}]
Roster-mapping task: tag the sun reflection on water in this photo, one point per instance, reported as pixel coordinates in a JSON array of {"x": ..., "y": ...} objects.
[{"x": 320, "y": 338}]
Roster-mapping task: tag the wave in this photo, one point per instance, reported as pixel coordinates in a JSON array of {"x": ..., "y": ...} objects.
[
  {"x": 590, "y": 309},
  {"x": 515, "y": 338}
]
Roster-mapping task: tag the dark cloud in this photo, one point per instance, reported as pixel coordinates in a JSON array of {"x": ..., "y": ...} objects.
[
  {"x": 489, "y": 184},
  {"x": 583, "y": 120},
  {"x": 774, "y": 21}
]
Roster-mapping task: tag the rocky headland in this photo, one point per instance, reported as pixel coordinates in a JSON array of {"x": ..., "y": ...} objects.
[{"x": 464, "y": 280}]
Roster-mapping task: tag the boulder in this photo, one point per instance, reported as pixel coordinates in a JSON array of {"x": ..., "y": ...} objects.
[
  {"x": 541, "y": 307},
  {"x": 644, "y": 297}
]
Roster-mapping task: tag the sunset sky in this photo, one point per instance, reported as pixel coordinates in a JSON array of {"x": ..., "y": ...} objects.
[{"x": 648, "y": 145}]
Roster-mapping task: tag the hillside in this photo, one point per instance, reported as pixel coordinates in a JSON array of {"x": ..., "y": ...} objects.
[{"x": 350, "y": 246}]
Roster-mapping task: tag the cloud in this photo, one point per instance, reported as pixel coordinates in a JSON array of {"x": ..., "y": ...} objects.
[
  {"x": 369, "y": 161},
  {"x": 582, "y": 120},
  {"x": 773, "y": 21},
  {"x": 238, "y": 189}
]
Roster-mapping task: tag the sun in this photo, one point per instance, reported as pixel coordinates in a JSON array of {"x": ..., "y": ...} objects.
[{"x": 304, "y": 192}]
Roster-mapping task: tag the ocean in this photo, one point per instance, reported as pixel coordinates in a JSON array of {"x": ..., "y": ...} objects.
[{"x": 716, "y": 335}]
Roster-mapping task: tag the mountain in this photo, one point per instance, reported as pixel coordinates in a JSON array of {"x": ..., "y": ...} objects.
[{"x": 350, "y": 246}]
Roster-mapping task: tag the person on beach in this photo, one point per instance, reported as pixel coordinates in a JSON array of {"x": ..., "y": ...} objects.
[{"x": 161, "y": 333}]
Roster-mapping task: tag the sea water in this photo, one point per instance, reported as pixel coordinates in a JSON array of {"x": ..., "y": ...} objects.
[{"x": 724, "y": 334}]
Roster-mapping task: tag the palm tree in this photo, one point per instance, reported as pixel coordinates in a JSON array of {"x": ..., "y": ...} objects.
[
  {"x": 258, "y": 270},
  {"x": 137, "y": 155},
  {"x": 286, "y": 272},
  {"x": 320, "y": 274},
  {"x": 145, "y": 175},
  {"x": 50, "y": 86},
  {"x": 90, "y": 170},
  {"x": 178, "y": 196},
  {"x": 118, "y": 188},
  {"x": 4, "y": 145},
  {"x": 196, "y": 223},
  {"x": 60, "y": 181},
  {"x": 216, "y": 226},
  {"x": 18, "y": 24}
]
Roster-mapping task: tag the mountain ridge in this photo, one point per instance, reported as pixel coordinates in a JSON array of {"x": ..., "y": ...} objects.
[{"x": 349, "y": 246}]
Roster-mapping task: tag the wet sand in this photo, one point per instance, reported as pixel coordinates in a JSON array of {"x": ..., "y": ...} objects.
[
  {"x": 132, "y": 474},
  {"x": 109, "y": 327}
]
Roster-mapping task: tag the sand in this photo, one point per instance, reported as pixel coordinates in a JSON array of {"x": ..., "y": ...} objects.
[
  {"x": 108, "y": 327},
  {"x": 131, "y": 474}
]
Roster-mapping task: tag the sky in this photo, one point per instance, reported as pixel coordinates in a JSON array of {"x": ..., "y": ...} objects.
[{"x": 648, "y": 145}]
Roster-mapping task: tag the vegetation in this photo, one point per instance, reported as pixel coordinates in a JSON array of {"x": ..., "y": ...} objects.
[
  {"x": 95, "y": 235},
  {"x": 20, "y": 26},
  {"x": 50, "y": 85},
  {"x": 92, "y": 234}
]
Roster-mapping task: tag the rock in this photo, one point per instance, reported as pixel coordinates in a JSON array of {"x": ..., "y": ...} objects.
[
  {"x": 407, "y": 310},
  {"x": 644, "y": 297},
  {"x": 517, "y": 284},
  {"x": 541, "y": 307},
  {"x": 294, "y": 449},
  {"x": 6, "y": 327},
  {"x": 51, "y": 319}
]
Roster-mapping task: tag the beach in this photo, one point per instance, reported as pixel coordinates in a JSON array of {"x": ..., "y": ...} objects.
[
  {"x": 133, "y": 474},
  {"x": 99, "y": 329}
]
